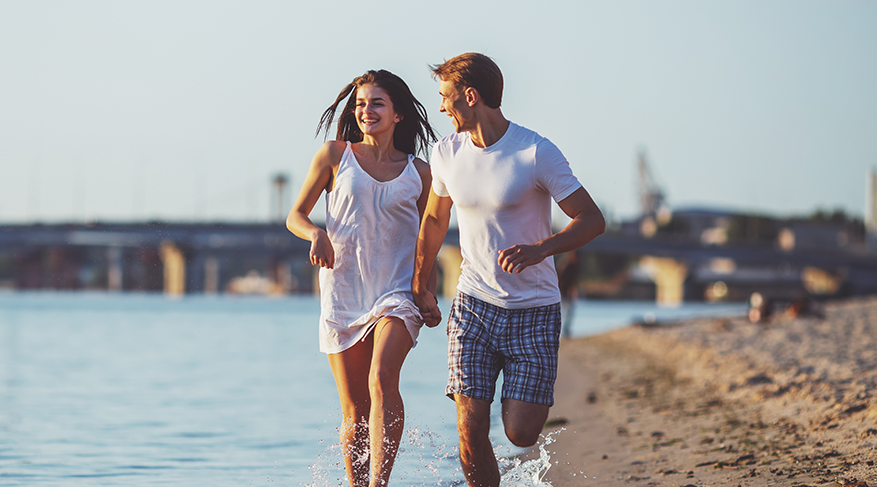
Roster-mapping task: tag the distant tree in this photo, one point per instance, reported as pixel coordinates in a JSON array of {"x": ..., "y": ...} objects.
[
  {"x": 839, "y": 216},
  {"x": 753, "y": 229}
]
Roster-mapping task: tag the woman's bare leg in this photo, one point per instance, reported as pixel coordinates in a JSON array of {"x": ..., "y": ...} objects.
[
  {"x": 351, "y": 371},
  {"x": 387, "y": 420}
]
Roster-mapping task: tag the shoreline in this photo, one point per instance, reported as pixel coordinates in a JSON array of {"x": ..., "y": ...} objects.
[{"x": 721, "y": 401}]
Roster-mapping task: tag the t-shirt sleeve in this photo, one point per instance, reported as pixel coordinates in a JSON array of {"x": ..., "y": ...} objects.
[
  {"x": 553, "y": 173},
  {"x": 435, "y": 164}
]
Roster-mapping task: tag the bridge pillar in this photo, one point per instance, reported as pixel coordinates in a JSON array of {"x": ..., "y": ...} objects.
[
  {"x": 174, "y": 269},
  {"x": 449, "y": 259},
  {"x": 211, "y": 275},
  {"x": 669, "y": 277},
  {"x": 821, "y": 281},
  {"x": 114, "y": 274}
]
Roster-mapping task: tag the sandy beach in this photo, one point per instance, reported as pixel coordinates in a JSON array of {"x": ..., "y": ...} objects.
[{"x": 721, "y": 402}]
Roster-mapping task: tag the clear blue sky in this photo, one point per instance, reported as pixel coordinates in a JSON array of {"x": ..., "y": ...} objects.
[{"x": 184, "y": 110}]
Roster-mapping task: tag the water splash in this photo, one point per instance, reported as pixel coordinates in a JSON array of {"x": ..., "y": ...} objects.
[
  {"x": 531, "y": 472},
  {"x": 426, "y": 459},
  {"x": 434, "y": 461},
  {"x": 328, "y": 471}
]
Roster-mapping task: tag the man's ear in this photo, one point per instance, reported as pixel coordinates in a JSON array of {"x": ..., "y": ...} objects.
[{"x": 472, "y": 96}]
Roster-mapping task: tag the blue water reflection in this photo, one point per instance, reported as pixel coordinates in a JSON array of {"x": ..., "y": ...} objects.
[{"x": 126, "y": 389}]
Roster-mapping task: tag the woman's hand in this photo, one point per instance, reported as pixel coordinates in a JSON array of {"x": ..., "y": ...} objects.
[
  {"x": 322, "y": 252},
  {"x": 429, "y": 310}
]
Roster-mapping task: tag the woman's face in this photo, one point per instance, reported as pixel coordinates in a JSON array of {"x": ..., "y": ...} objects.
[{"x": 374, "y": 110}]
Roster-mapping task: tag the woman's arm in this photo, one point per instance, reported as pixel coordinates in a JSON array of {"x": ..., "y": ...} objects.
[{"x": 320, "y": 177}]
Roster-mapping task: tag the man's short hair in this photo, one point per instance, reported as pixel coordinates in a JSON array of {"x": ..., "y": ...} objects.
[{"x": 473, "y": 70}]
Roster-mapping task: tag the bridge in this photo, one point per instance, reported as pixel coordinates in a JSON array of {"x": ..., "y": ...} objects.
[
  {"x": 172, "y": 257},
  {"x": 680, "y": 266},
  {"x": 178, "y": 258}
]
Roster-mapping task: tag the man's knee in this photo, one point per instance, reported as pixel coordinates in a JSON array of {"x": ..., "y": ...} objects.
[
  {"x": 473, "y": 420},
  {"x": 523, "y": 421},
  {"x": 472, "y": 428},
  {"x": 523, "y": 435}
]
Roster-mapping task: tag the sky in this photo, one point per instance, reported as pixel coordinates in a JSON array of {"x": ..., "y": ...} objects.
[{"x": 186, "y": 110}]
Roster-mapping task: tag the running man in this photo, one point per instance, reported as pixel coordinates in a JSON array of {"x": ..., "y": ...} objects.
[{"x": 506, "y": 313}]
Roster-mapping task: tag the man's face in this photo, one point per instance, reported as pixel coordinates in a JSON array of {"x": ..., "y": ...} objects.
[{"x": 454, "y": 105}]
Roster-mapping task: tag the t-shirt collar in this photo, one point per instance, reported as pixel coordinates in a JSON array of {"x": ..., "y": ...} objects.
[{"x": 496, "y": 145}]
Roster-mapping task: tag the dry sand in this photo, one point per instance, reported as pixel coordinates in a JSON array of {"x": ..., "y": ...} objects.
[{"x": 722, "y": 402}]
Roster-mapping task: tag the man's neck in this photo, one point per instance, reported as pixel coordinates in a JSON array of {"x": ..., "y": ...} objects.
[{"x": 491, "y": 126}]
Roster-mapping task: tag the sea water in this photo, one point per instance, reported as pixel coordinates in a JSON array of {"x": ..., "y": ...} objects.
[{"x": 127, "y": 389}]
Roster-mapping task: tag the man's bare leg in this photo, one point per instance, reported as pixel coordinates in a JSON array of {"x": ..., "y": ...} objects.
[
  {"x": 476, "y": 452},
  {"x": 523, "y": 421},
  {"x": 387, "y": 420}
]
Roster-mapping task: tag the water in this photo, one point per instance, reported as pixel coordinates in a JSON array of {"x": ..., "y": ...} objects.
[{"x": 124, "y": 389}]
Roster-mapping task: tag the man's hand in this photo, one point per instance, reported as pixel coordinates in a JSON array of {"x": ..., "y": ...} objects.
[
  {"x": 518, "y": 257},
  {"x": 429, "y": 310}
]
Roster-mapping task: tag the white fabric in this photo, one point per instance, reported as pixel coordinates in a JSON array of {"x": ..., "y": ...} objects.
[
  {"x": 373, "y": 228},
  {"x": 502, "y": 194}
]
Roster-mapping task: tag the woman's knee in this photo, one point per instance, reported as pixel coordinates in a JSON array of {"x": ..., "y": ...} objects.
[{"x": 383, "y": 380}]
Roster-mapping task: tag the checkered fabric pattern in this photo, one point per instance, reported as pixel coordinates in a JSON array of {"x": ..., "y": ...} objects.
[{"x": 484, "y": 339}]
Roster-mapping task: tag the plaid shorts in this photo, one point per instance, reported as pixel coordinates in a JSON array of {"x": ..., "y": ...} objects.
[{"x": 484, "y": 339}]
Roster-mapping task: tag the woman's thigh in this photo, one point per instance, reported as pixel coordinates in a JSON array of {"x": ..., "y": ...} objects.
[
  {"x": 392, "y": 342},
  {"x": 351, "y": 371}
]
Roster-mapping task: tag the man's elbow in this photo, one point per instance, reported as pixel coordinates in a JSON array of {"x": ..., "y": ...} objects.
[
  {"x": 593, "y": 221},
  {"x": 599, "y": 223},
  {"x": 433, "y": 224}
]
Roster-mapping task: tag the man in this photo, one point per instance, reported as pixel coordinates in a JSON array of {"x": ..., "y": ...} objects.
[{"x": 506, "y": 314}]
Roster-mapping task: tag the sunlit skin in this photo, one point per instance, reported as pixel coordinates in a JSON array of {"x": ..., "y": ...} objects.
[
  {"x": 468, "y": 113},
  {"x": 523, "y": 421},
  {"x": 454, "y": 105},
  {"x": 366, "y": 374},
  {"x": 374, "y": 112}
]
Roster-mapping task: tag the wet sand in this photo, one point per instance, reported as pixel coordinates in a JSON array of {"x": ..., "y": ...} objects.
[{"x": 722, "y": 402}]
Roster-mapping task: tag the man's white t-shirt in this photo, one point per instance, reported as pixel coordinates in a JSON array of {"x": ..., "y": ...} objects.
[{"x": 503, "y": 198}]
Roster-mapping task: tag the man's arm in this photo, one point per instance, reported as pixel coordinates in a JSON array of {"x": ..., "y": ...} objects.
[
  {"x": 433, "y": 228},
  {"x": 426, "y": 179},
  {"x": 586, "y": 225}
]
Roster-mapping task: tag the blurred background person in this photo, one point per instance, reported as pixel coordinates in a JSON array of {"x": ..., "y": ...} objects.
[{"x": 568, "y": 282}]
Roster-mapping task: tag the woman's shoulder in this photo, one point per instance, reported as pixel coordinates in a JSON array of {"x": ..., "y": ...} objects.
[
  {"x": 422, "y": 168},
  {"x": 420, "y": 164},
  {"x": 331, "y": 152},
  {"x": 334, "y": 147}
]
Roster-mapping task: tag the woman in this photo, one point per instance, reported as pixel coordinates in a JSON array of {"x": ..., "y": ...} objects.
[{"x": 376, "y": 192}]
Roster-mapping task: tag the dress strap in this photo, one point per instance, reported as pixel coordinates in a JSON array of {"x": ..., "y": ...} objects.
[{"x": 348, "y": 151}]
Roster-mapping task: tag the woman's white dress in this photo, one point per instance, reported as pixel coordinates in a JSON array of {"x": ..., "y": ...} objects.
[{"x": 373, "y": 228}]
